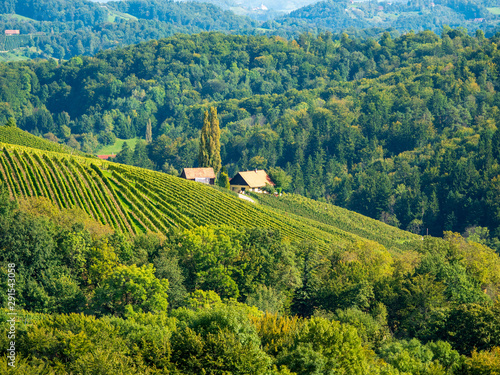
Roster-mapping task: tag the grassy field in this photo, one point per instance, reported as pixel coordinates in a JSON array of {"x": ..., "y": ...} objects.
[
  {"x": 495, "y": 10},
  {"x": 114, "y": 14},
  {"x": 16, "y": 55},
  {"x": 16, "y": 17},
  {"x": 116, "y": 148}
]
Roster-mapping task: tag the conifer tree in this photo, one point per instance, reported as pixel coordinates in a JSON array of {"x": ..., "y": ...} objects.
[{"x": 11, "y": 122}]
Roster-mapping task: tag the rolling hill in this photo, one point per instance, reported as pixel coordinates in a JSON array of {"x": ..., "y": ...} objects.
[
  {"x": 142, "y": 289},
  {"x": 337, "y": 16},
  {"x": 135, "y": 200},
  {"x": 16, "y": 136},
  {"x": 63, "y": 29}
]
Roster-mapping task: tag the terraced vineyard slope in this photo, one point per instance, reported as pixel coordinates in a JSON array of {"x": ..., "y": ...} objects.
[
  {"x": 16, "y": 136},
  {"x": 136, "y": 200},
  {"x": 323, "y": 213}
]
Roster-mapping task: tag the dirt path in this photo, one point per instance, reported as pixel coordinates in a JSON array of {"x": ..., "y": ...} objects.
[{"x": 246, "y": 198}]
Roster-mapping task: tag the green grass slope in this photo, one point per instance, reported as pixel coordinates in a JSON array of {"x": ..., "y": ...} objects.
[
  {"x": 136, "y": 200},
  {"x": 116, "y": 147}
]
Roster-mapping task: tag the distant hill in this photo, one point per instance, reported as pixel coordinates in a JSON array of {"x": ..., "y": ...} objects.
[
  {"x": 338, "y": 15},
  {"x": 260, "y": 9},
  {"x": 63, "y": 29}
]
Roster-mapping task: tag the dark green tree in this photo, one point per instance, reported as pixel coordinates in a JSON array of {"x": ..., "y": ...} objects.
[
  {"x": 204, "y": 154},
  {"x": 125, "y": 155},
  {"x": 11, "y": 122}
]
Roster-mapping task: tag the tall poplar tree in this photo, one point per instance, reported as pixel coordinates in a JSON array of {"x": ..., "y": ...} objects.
[
  {"x": 209, "y": 155},
  {"x": 149, "y": 132},
  {"x": 204, "y": 155},
  {"x": 215, "y": 159}
]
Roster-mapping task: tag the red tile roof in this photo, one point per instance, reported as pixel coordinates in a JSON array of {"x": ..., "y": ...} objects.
[{"x": 105, "y": 157}]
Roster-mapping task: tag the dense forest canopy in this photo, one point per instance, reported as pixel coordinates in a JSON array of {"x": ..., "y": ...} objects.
[{"x": 403, "y": 130}]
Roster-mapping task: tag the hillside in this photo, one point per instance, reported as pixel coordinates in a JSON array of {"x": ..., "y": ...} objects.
[
  {"x": 304, "y": 208},
  {"x": 136, "y": 201},
  {"x": 15, "y": 136},
  {"x": 62, "y": 29},
  {"x": 403, "y": 130},
  {"x": 258, "y": 9},
  {"x": 342, "y": 15},
  {"x": 137, "y": 266}
]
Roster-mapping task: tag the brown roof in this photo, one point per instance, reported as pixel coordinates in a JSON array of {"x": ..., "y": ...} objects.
[
  {"x": 253, "y": 179},
  {"x": 192, "y": 173}
]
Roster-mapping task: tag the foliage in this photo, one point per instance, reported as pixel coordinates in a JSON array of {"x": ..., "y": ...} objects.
[
  {"x": 223, "y": 180},
  {"x": 130, "y": 289},
  {"x": 485, "y": 362},
  {"x": 209, "y": 155},
  {"x": 414, "y": 358},
  {"x": 324, "y": 347},
  {"x": 219, "y": 339}
]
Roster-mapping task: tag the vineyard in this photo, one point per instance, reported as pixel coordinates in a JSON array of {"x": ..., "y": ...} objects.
[
  {"x": 332, "y": 216},
  {"x": 11, "y": 42},
  {"x": 16, "y": 136},
  {"x": 136, "y": 200}
]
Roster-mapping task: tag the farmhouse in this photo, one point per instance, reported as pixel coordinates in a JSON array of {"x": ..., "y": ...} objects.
[
  {"x": 250, "y": 181},
  {"x": 12, "y": 32},
  {"x": 203, "y": 175}
]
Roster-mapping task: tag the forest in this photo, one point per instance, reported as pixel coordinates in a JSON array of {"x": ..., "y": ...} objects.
[
  {"x": 403, "y": 130},
  {"x": 66, "y": 28},
  {"x": 63, "y": 29},
  {"x": 402, "y": 16}
]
